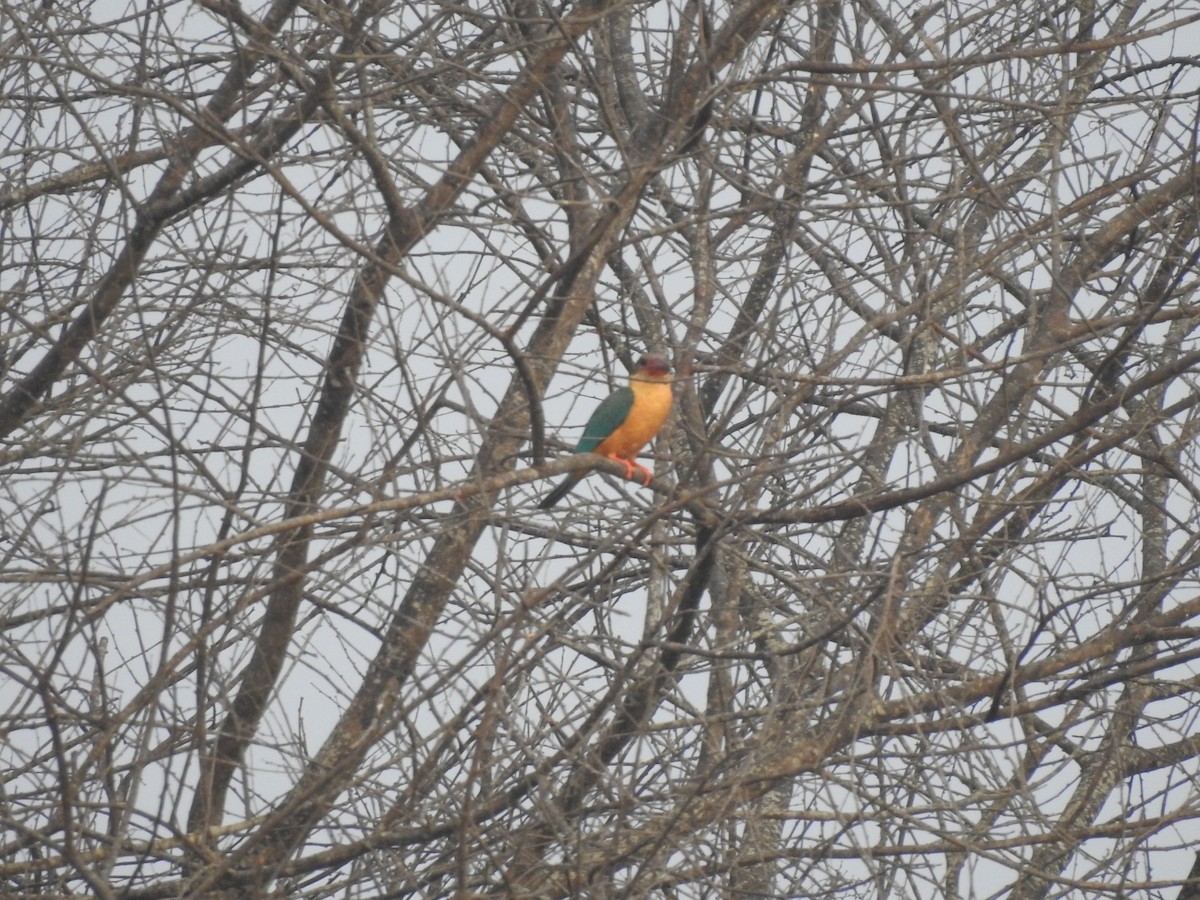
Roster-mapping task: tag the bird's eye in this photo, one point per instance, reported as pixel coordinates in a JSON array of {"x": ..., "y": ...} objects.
[{"x": 641, "y": 362}]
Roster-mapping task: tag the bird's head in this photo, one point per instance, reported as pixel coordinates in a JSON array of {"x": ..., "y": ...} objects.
[{"x": 652, "y": 368}]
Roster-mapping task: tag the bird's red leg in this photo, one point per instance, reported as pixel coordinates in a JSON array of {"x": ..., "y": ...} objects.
[
  {"x": 646, "y": 472},
  {"x": 629, "y": 466}
]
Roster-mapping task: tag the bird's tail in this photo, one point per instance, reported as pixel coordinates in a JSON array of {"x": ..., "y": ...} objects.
[{"x": 559, "y": 492}]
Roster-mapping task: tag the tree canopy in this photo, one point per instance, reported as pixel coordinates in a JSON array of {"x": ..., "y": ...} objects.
[{"x": 303, "y": 306}]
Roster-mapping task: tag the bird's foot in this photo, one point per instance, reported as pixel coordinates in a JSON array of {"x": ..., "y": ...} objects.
[
  {"x": 647, "y": 475},
  {"x": 631, "y": 467}
]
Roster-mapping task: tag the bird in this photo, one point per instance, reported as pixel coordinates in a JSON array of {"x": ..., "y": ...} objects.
[{"x": 624, "y": 423}]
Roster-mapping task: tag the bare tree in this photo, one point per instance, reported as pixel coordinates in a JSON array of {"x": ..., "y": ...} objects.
[{"x": 302, "y": 305}]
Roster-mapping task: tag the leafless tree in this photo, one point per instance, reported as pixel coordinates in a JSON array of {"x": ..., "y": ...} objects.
[{"x": 303, "y": 304}]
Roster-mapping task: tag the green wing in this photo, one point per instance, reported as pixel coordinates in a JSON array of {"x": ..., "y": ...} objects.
[{"x": 606, "y": 419}]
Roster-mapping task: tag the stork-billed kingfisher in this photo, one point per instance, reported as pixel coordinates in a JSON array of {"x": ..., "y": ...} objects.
[{"x": 624, "y": 423}]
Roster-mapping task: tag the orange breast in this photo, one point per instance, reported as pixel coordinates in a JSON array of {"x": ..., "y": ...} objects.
[{"x": 651, "y": 406}]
